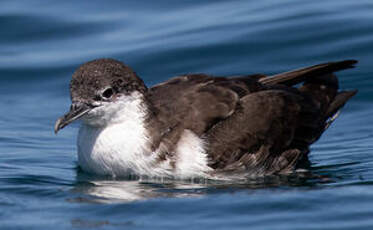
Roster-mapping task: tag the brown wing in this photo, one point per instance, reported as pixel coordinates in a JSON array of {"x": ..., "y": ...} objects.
[
  {"x": 262, "y": 129},
  {"x": 272, "y": 129},
  {"x": 196, "y": 102},
  {"x": 256, "y": 123},
  {"x": 199, "y": 101}
]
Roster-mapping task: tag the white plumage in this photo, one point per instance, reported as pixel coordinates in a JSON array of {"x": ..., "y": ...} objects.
[{"x": 113, "y": 141}]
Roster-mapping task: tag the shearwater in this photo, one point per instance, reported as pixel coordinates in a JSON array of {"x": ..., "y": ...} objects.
[{"x": 198, "y": 125}]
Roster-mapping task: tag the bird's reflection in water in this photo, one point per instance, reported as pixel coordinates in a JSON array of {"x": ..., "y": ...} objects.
[{"x": 114, "y": 190}]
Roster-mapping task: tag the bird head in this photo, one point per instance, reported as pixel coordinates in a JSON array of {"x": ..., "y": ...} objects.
[{"x": 98, "y": 90}]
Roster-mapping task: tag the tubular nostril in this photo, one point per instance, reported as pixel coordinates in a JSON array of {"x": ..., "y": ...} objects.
[{"x": 75, "y": 105}]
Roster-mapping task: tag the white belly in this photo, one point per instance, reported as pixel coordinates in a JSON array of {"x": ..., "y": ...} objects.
[{"x": 120, "y": 150}]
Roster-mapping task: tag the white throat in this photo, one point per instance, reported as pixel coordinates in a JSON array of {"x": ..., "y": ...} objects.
[
  {"x": 113, "y": 140},
  {"x": 129, "y": 109}
]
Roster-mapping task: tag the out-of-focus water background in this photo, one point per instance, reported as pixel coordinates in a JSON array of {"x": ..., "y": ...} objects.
[{"x": 42, "y": 42}]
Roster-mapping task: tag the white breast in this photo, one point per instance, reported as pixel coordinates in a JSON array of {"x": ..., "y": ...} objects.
[
  {"x": 115, "y": 142},
  {"x": 116, "y": 150}
]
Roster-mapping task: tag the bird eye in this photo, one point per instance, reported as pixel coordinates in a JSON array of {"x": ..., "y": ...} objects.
[{"x": 108, "y": 93}]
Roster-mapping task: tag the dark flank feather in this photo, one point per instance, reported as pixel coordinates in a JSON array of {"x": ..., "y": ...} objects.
[{"x": 254, "y": 123}]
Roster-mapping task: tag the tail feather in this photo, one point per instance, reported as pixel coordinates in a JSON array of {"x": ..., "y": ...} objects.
[
  {"x": 339, "y": 101},
  {"x": 300, "y": 75},
  {"x": 319, "y": 83},
  {"x": 321, "y": 88}
]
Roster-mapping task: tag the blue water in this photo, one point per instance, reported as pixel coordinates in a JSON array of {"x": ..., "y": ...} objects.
[{"x": 42, "y": 42}]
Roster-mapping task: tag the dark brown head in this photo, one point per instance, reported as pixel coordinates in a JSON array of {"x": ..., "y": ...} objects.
[{"x": 99, "y": 83}]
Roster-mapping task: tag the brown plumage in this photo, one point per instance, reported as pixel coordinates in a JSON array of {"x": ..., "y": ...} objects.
[{"x": 256, "y": 123}]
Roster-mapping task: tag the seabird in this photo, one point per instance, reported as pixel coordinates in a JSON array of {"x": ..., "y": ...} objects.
[{"x": 198, "y": 125}]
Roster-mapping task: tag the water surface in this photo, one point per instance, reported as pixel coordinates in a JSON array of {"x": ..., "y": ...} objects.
[{"x": 42, "y": 42}]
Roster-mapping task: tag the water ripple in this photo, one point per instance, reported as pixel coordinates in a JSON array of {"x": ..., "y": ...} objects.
[{"x": 43, "y": 42}]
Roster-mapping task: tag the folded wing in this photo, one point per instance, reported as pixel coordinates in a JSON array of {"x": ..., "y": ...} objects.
[{"x": 258, "y": 123}]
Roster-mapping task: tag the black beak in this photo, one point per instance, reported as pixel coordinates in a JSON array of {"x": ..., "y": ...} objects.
[{"x": 77, "y": 110}]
